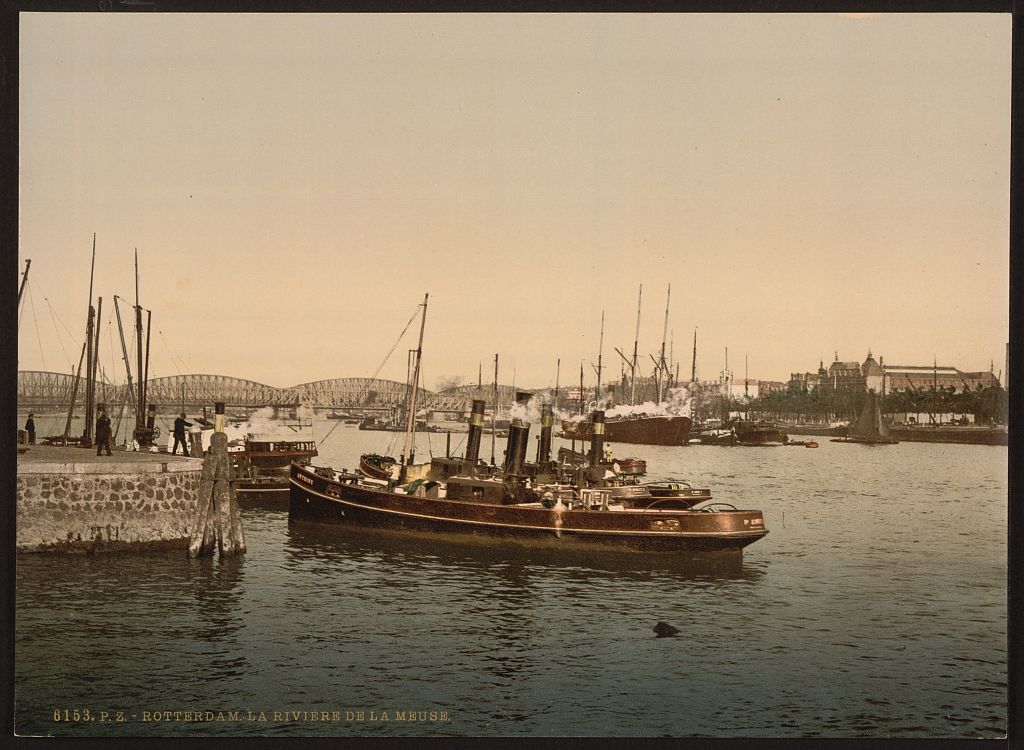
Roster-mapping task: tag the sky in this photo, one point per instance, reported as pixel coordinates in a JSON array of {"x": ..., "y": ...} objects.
[{"x": 808, "y": 185}]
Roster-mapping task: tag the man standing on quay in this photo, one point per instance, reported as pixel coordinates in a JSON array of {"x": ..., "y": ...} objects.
[
  {"x": 103, "y": 433},
  {"x": 179, "y": 435}
]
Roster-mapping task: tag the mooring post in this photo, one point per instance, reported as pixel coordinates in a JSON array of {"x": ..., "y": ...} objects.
[{"x": 218, "y": 523}]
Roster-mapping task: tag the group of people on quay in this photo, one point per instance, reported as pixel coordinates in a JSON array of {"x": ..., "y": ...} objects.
[{"x": 104, "y": 433}]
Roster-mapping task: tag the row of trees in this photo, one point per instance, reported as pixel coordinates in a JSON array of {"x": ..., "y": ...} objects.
[{"x": 987, "y": 405}]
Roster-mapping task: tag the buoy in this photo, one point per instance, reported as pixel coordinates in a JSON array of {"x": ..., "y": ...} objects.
[
  {"x": 664, "y": 630},
  {"x": 810, "y": 445}
]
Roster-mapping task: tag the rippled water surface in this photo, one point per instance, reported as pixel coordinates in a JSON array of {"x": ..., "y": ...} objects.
[{"x": 876, "y": 607}]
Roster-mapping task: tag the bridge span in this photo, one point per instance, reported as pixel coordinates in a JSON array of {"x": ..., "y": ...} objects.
[{"x": 43, "y": 391}]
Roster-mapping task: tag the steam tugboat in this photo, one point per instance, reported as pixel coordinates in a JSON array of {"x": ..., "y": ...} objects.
[{"x": 462, "y": 499}]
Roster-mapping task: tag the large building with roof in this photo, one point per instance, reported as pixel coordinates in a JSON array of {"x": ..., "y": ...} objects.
[
  {"x": 924, "y": 377},
  {"x": 855, "y": 377}
]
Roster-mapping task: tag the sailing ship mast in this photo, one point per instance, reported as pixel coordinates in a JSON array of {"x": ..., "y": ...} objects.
[
  {"x": 558, "y": 371},
  {"x": 130, "y": 393},
  {"x": 86, "y": 347},
  {"x": 581, "y": 390},
  {"x": 408, "y": 452},
  {"x": 662, "y": 367},
  {"x": 636, "y": 339},
  {"x": 144, "y": 430},
  {"x": 90, "y": 355},
  {"x": 693, "y": 368},
  {"x": 494, "y": 409},
  {"x": 140, "y": 407},
  {"x": 24, "y": 278},
  {"x": 632, "y": 364},
  {"x": 600, "y": 353}
]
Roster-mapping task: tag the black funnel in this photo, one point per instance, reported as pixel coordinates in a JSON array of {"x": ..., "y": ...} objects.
[
  {"x": 596, "y": 437},
  {"x": 547, "y": 419},
  {"x": 476, "y": 428}
]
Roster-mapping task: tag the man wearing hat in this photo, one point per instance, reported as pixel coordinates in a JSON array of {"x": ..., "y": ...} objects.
[
  {"x": 179, "y": 435},
  {"x": 103, "y": 434}
]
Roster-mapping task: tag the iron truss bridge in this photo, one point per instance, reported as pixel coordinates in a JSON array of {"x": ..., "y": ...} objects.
[{"x": 41, "y": 391}]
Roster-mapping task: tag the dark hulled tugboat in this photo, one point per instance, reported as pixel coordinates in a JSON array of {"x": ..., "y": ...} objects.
[{"x": 475, "y": 501}]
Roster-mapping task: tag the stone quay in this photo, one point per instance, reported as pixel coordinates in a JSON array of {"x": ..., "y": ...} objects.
[{"x": 71, "y": 500}]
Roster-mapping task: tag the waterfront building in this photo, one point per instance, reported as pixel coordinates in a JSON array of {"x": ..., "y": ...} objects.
[
  {"x": 928, "y": 377},
  {"x": 768, "y": 387},
  {"x": 804, "y": 382}
]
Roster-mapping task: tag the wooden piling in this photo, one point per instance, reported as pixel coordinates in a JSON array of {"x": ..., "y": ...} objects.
[{"x": 217, "y": 523}]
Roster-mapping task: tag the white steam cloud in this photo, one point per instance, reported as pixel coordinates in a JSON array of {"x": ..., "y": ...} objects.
[{"x": 678, "y": 404}]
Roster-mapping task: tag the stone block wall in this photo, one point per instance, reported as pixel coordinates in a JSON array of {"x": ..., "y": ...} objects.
[{"x": 95, "y": 507}]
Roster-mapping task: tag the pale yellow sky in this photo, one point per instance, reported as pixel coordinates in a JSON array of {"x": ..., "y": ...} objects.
[{"x": 295, "y": 184}]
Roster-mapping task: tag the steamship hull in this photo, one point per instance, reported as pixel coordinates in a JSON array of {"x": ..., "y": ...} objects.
[
  {"x": 348, "y": 506},
  {"x": 759, "y": 434},
  {"x": 666, "y": 430}
]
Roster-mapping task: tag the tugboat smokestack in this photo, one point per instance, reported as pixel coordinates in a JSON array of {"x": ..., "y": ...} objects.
[
  {"x": 596, "y": 437},
  {"x": 476, "y": 429},
  {"x": 516, "y": 448},
  {"x": 547, "y": 419}
]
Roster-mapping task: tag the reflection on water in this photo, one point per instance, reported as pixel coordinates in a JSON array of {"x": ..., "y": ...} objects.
[
  {"x": 514, "y": 564},
  {"x": 876, "y": 607}
]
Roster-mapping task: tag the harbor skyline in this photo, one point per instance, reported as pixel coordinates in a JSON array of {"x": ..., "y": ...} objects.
[{"x": 808, "y": 185}]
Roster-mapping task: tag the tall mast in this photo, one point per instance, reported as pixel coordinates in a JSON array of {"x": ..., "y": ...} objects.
[
  {"x": 140, "y": 408},
  {"x": 494, "y": 414},
  {"x": 408, "y": 452},
  {"x": 600, "y": 353},
  {"x": 91, "y": 355},
  {"x": 145, "y": 379},
  {"x": 664, "y": 335},
  {"x": 124, "y": 350},
  {"x": 558, "y": 371},
  {"x": 636, "y": 340},
  {"x": 96, "y": 347},
  {"x": 693, "y": 369},
  {"x": 673, "y": 366},
  {"x": 581, "y": 389},
  {"x": 24, "y": 278},
  {"x": 74, "y": 392}
]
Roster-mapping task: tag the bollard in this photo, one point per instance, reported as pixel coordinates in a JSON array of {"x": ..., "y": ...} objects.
[{"x": 218, "y": 522}]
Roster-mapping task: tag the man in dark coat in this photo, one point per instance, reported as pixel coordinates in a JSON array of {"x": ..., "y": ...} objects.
[
  {"x": 103, "y": 433},
  {"x": 30, "y": 428},
  {"x": 179, "y": 435}
]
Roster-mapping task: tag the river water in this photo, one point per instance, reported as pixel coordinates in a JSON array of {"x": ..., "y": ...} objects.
[{"x": 875, "y": 607}]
